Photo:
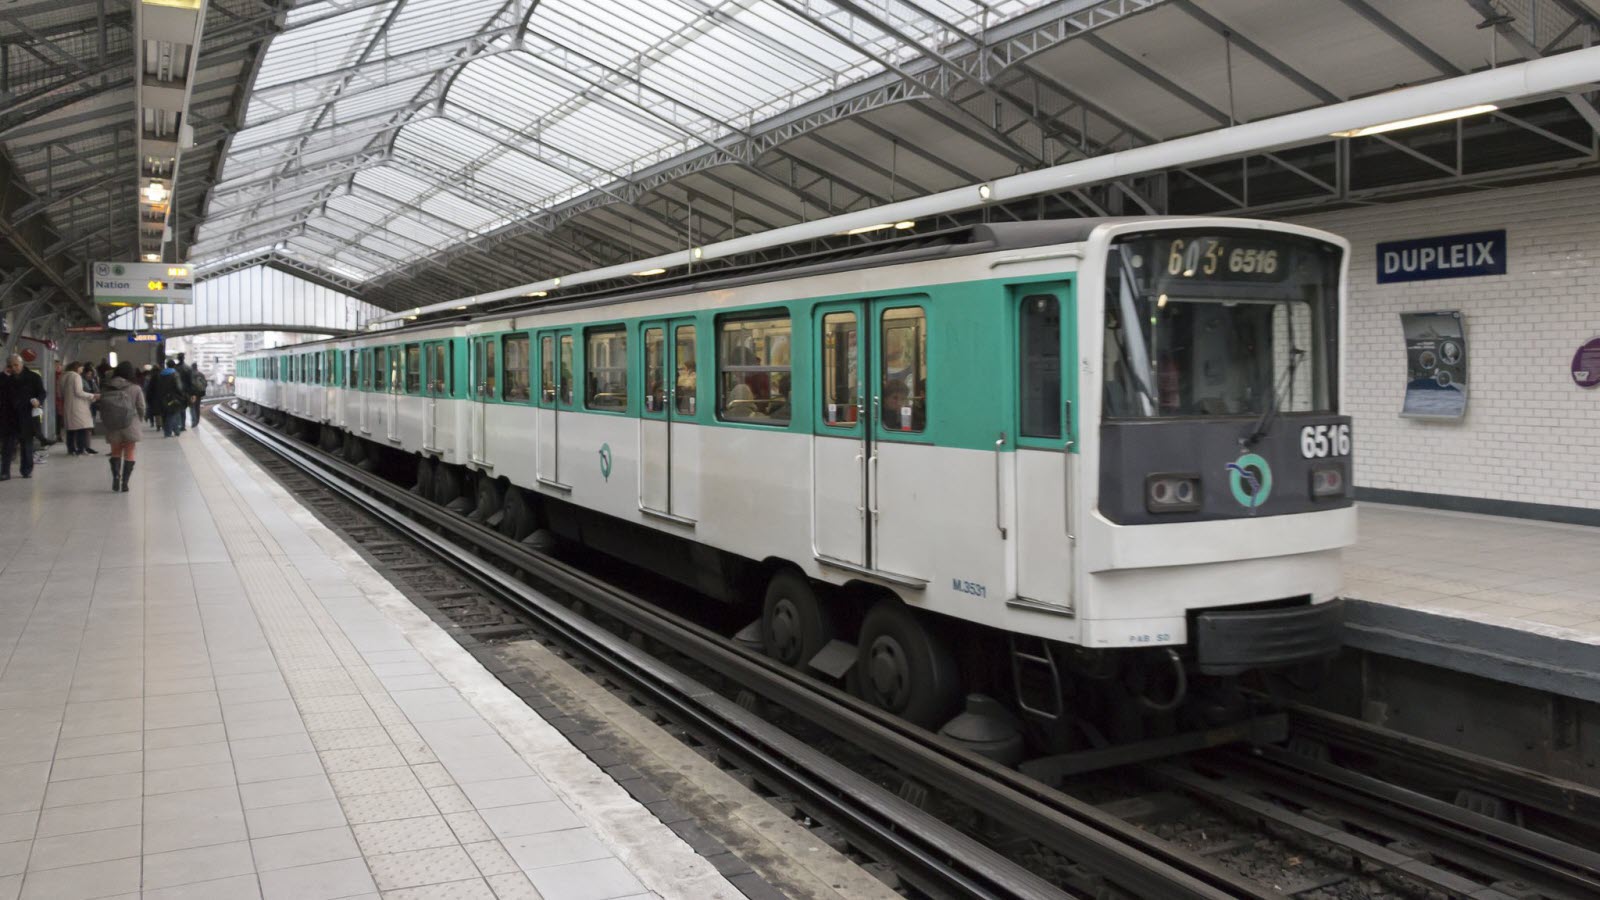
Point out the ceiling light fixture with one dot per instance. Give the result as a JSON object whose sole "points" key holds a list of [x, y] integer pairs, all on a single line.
{"points": [[155, 192], [152, 257], [902, 226], [537, 294], [1417, 120], [869, 228], [647, 272], [985, 192], [698, 252]]}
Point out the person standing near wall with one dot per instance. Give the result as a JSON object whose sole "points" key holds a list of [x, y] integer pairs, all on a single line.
{"points": [[21, 392], [79, 421], [91, 383]]}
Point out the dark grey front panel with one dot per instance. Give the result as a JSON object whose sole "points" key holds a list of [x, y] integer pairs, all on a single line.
{"points": [[1131, 451]]}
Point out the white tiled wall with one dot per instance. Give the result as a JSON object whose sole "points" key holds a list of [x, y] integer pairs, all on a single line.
{"points": [[1530, 434]]}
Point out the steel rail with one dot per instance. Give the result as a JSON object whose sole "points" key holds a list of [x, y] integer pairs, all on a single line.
{"points": [[1125, 855], [925, 851]]}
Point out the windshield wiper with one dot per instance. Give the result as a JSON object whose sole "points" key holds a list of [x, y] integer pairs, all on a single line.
{"points": [[1270, 414]]}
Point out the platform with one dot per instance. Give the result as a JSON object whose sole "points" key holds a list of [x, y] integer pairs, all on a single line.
{"points": [[1513, 600], [207, 694]]}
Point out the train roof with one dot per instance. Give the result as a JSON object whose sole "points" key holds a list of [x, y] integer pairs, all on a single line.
{"points": [[967, 240]]}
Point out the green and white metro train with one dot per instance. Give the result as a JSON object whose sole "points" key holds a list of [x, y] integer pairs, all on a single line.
{"points": [[1070, 463]]}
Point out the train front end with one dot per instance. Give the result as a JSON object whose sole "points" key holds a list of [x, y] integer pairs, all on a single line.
{"points": [[1219, 477]]}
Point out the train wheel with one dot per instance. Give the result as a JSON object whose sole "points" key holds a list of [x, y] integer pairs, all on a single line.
{"points": [[488, 498], [518, 519], [906, 667], [424, 485], [794, 623]]}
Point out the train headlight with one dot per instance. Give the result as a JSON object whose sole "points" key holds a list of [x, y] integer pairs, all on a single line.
{"points": [[1172, 493], [1327, 481]]}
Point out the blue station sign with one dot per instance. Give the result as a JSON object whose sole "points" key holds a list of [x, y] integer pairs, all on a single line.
{"points": [[144, 338], [1451, 256]]}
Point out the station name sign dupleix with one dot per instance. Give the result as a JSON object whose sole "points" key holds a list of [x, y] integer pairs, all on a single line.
{"points": [[1451, 256], [136, 283]]}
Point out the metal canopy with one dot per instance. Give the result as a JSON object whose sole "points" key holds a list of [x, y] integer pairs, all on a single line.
{"points": [[413, 150]]}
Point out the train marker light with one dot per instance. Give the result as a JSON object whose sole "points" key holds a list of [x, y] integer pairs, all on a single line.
{"points": [[1417, 120]]}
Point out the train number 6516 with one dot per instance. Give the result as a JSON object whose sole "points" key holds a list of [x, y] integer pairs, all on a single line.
{"points": [[1319, 441]]}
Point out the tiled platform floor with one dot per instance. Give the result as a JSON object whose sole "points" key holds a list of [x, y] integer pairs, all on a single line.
{"points": [[205, 694], [1536, 576]]}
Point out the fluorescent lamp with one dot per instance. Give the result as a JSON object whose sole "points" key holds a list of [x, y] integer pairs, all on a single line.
{"points": [[650, 272], [902, 226], [556, 282], [698, 252], [155, 192], [1161, 302], [411, 318], [152, 257], [460, 308], [537, 294], [1417, 120], [867, 228]]}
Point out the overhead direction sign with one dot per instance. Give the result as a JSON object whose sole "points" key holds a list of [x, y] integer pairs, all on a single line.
{"points": [[134, 283], [144, 338]]}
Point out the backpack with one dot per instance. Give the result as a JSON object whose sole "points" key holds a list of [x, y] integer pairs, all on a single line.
{"points": [[170, 389], [117, 408], [197, 383]]}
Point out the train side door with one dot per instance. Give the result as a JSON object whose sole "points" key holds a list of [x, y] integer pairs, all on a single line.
{"points": [[485, 383], [555, 398], [1046, 369], [397, 386], [365, 395], [665, 446], [902, 460], [433, 381], [840, 447]]}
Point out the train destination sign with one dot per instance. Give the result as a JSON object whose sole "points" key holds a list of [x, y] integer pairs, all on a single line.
{"points": [[1451, 256], [133, 283]]}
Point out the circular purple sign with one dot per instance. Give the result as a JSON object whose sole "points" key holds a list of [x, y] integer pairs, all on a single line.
{"points": [[1586, 364]]}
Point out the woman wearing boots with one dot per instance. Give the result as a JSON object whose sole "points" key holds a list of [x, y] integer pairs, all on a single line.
{"points": [[122, 408]]}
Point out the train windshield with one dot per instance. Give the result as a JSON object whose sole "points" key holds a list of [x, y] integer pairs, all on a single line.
{"points": [[1219, 323]]}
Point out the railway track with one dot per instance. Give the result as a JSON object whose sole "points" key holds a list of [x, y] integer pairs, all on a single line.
{"points": [[486, 595]]}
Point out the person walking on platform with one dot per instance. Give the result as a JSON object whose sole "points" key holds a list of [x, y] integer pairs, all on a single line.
{"points": [[91, 383], [121, 408], [170, 400], [149, 378], [188, 391], [21, 392], [79, 421], [197, 391]]}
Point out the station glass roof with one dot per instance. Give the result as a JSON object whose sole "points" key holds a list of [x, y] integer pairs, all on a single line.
{"points": [[377, 132]]}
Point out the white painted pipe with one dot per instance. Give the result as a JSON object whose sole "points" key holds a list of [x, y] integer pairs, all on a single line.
{"points": [[1571, 70]]}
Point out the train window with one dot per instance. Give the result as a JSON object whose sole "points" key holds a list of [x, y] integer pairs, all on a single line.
{"points": [[352, 369], [841, 380], [514, 356], [380, 368], [396, 370], [605, 362], [547, 370], [655, 370], [753, 370], [438, 375], [686, 384], [488, 360], [1039, 346], [904, 352], [317, 373], [565, 386], [413, 369]]}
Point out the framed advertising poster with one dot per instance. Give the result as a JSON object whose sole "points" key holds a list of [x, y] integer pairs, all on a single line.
{"points": [[1436, 365]]}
